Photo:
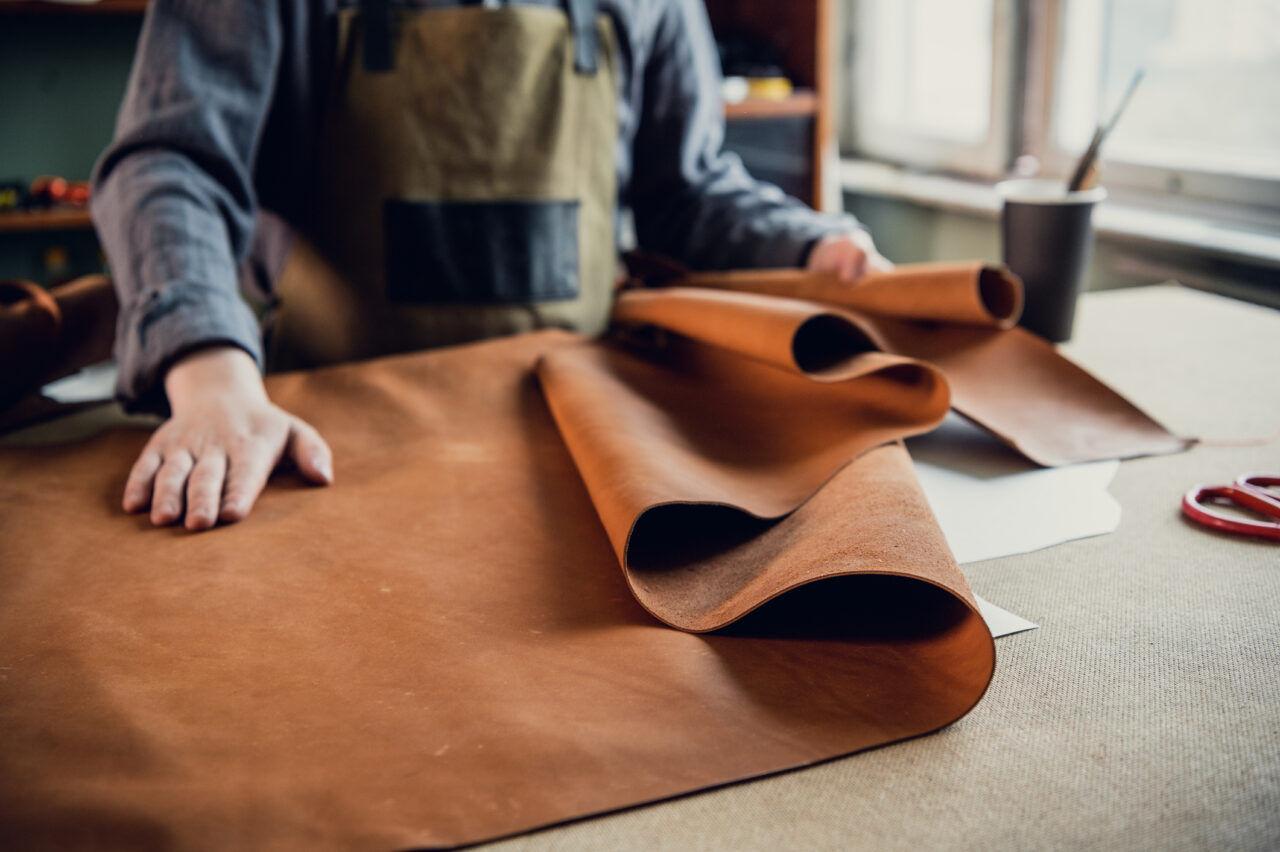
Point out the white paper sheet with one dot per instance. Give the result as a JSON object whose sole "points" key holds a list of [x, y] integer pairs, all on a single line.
{"points": [[1000, 621], [992, 502], [92, 384]]}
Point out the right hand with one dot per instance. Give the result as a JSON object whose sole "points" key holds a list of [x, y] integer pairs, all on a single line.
{"points": [[210, 460]]}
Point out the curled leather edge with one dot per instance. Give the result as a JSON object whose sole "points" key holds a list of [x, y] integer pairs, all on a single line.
{"points": [[734, 614], [766, 331], [824, 344], [958, 293]]}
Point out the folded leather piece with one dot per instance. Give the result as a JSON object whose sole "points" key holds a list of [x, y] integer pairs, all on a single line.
{"points": [[690, 452], [959, 317], [441, 648]]}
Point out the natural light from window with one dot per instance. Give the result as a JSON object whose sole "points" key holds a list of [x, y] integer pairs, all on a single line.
{"points": [[929, 64], [1210, 100]]}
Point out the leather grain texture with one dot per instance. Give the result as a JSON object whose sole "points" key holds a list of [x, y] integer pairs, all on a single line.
{"points": [[441, 648]]}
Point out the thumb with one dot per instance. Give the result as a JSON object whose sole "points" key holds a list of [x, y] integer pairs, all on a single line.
{"points": [[309, 452]]}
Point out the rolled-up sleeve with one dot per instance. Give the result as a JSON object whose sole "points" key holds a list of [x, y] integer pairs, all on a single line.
{"points": [[691, 200], [173, 198]]}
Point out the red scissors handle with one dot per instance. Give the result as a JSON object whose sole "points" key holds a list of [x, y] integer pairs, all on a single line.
{"points": [[1251, 492]]}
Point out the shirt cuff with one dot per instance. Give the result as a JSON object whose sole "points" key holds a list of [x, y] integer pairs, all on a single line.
{"points": [[165, 324]]}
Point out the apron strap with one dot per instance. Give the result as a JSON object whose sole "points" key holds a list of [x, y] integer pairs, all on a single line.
{"points": [[375, 18], [582, 21], [375, 21]]}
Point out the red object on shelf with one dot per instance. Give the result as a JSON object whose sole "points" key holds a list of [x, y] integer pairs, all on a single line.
{"points": [[77, 193], [47, 190]]}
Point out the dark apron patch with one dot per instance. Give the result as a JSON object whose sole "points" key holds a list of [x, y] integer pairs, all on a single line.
{"points": [[481, 252]]}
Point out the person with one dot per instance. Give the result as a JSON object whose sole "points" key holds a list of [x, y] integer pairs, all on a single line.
{"points": [[395, 179]]}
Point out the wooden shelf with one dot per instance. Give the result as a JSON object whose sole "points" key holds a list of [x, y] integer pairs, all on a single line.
{"points": [[56, 219], [102, 7], [799, 102]]}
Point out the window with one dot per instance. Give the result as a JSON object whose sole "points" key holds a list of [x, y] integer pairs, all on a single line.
{"points": [[968, 85], [1205, 121], [932, 81]]}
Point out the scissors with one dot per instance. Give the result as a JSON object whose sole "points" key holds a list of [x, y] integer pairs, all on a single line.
{"points": [[1250, 491]]}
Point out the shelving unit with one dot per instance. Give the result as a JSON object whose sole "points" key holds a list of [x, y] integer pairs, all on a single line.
{"points": [[56, 219], [102, 7], [800, 102], [769, 134]]}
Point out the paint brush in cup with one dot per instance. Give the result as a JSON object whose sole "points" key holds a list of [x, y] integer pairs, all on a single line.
{"points": [[1086, 173]]}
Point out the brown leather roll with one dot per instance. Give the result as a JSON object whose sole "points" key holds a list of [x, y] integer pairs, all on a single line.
{"points": [[955, 292], [798, 336], [958, 317]]}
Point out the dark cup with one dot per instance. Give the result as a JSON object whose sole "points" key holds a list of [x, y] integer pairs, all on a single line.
{"points": [[1046, 236]]}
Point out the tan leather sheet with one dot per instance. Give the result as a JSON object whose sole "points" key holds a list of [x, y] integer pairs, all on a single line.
{"points": [[442, 647], [960, 317]]}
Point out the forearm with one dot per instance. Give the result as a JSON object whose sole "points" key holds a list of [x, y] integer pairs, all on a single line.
{"points": [[173, 269], [173, 199], [724, 219], [212, 374]]}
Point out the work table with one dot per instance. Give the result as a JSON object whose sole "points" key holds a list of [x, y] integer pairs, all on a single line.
{"points": [[1145, 711]]}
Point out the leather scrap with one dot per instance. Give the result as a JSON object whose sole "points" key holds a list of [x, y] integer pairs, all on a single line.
{"points": [[46, 334]]}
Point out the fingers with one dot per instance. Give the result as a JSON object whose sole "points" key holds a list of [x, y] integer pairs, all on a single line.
{"points": [[211, 465], [309, 452], [167, 498], [853, 263], [204, 491], [840, 255], [137, 490], [249, 468]]}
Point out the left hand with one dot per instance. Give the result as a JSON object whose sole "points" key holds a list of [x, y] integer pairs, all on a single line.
{"points": [[848, 255]]}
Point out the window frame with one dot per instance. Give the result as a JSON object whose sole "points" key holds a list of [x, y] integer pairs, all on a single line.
{"points": [[1027, 49], [1185, 186], [988, 158]]}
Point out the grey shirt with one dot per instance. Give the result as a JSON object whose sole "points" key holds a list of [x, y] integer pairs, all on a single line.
{"points": [[219, 123]]}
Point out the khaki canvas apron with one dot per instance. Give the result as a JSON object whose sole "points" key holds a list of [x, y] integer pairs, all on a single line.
{"points": [[466, 190]]}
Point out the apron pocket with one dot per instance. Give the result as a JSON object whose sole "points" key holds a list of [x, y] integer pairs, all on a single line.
{"points": [[486, 252]]}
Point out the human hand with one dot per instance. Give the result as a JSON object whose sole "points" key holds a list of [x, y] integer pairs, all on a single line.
{"points": [[210, 460], [848, 255]]}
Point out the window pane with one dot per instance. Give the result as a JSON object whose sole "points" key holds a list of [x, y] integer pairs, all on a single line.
{"points": [[929, 67], [1211, 97]]}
